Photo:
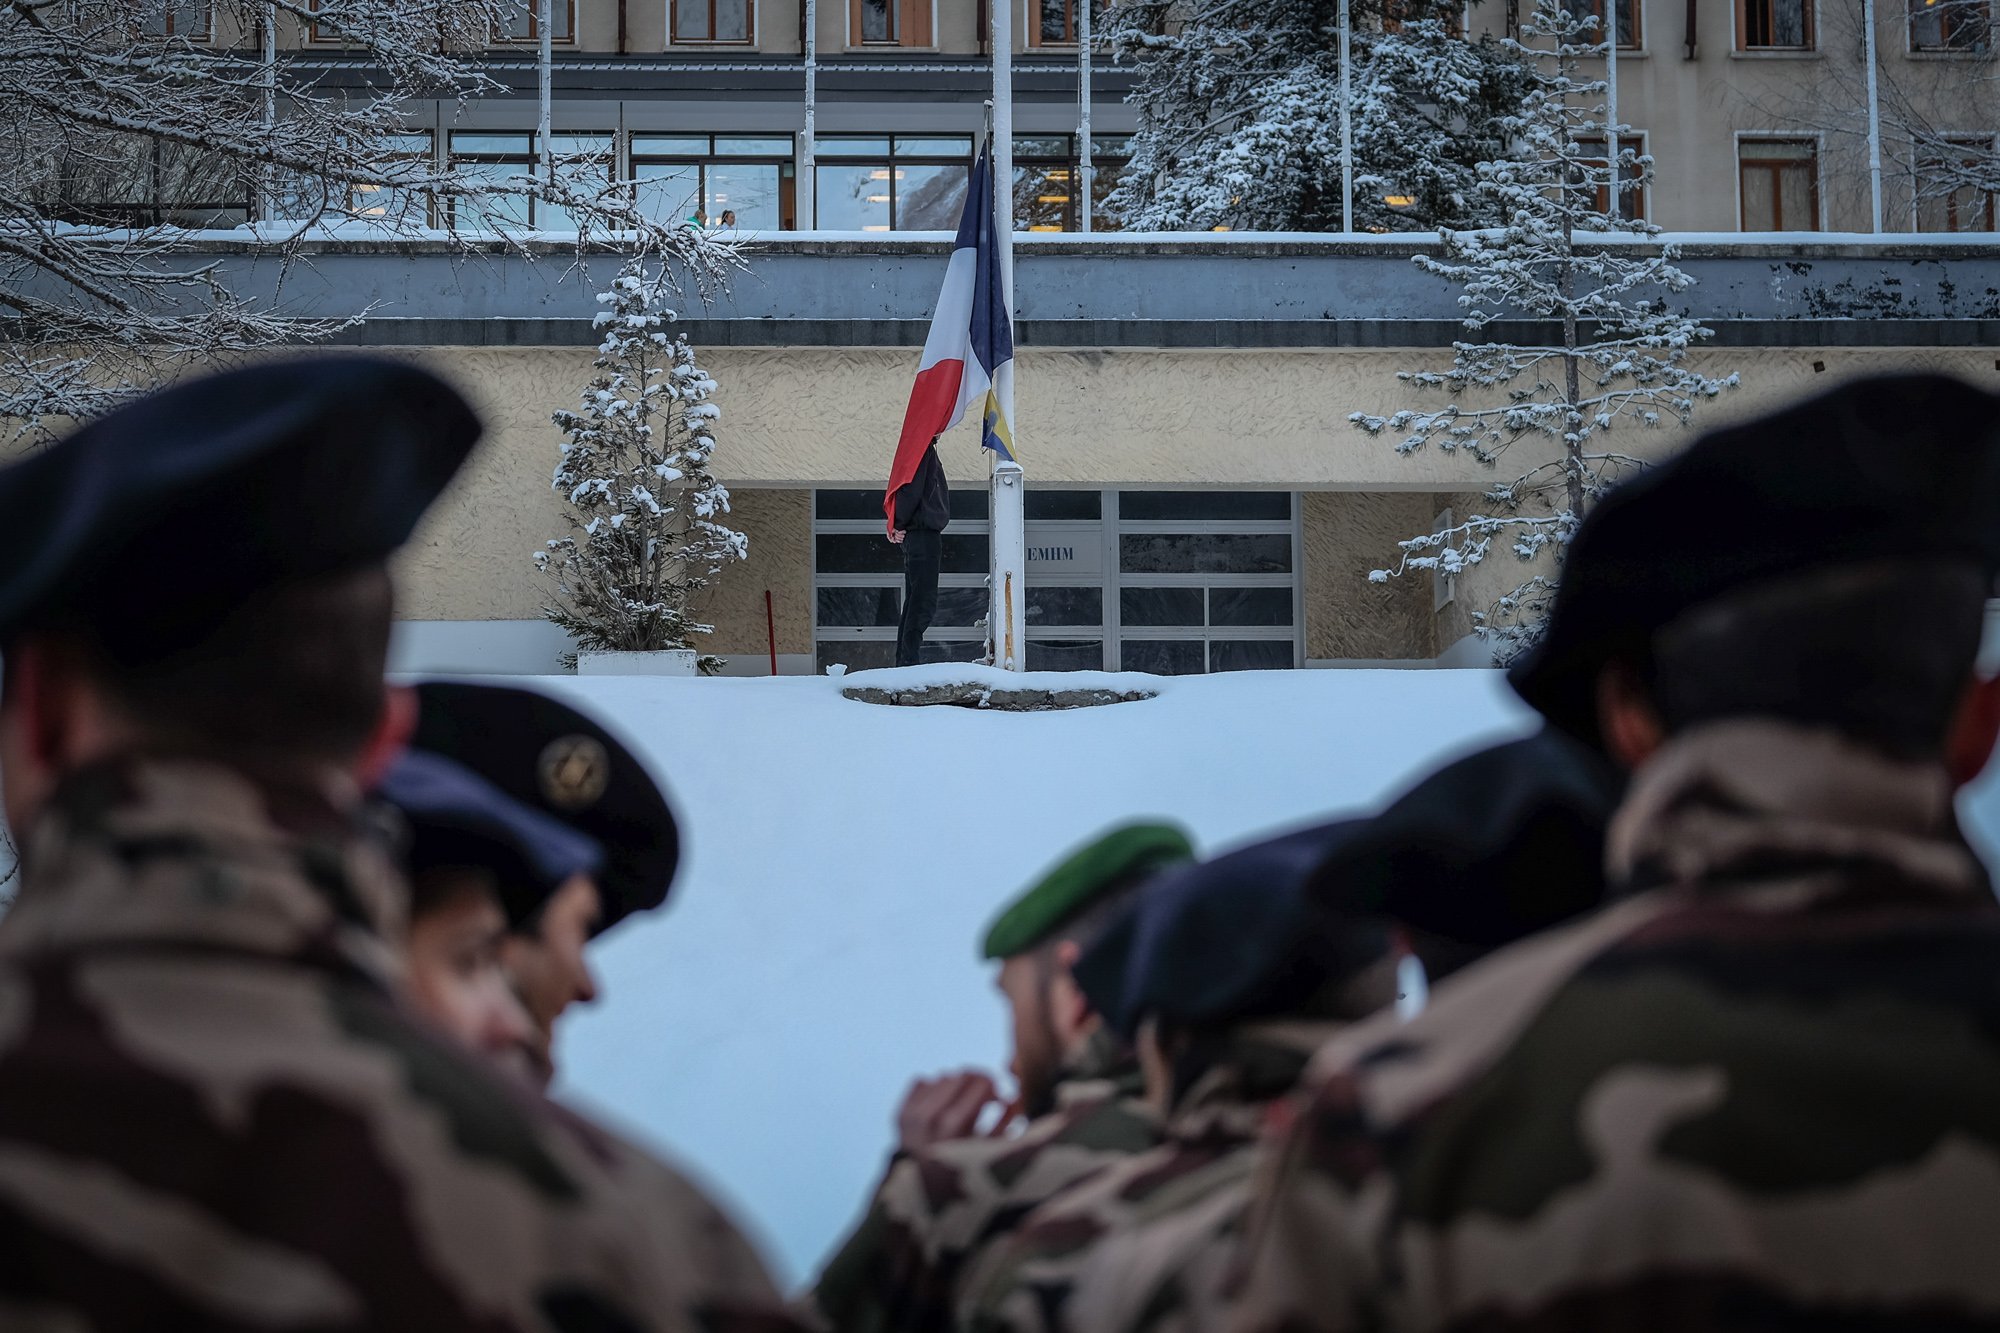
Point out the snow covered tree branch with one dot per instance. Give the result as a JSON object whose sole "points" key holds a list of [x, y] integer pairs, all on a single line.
{"points": [[1239, 114], [645, 512], [1619, 357], [131, 126]]}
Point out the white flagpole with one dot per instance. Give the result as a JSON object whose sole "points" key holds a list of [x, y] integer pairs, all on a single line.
{"points": [[1874, 120], [805, 197], [1611, 105], [1008, 617], [1346, 121], [545, 56], [1084, 170]]}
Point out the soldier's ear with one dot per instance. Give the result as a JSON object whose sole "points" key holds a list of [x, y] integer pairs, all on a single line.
{"points": [[1626, 718], [1974, 731], [393, 729]]}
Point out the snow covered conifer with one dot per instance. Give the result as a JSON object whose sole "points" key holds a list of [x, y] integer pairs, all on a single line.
{"points": [[645, 512], [1239, 114], [1618, 358]]}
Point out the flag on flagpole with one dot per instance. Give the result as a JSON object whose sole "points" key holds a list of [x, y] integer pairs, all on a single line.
{"points": [[969, 354]]}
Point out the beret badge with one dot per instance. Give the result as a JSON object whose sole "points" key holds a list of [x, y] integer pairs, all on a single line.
{"points": [[574, 771]]}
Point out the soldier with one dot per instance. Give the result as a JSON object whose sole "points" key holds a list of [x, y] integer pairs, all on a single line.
{"points": [[561, 762], [1761, 1089], [480, 865], [213, 1112], [949, 1192], [1232, 973]]}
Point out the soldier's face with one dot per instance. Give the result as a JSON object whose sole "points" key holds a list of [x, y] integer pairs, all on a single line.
{"points": [[454, 972], [548, 967], [1038, 1055]]}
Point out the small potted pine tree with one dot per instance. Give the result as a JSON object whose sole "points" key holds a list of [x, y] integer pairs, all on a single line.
{"points": [[644, 511]]}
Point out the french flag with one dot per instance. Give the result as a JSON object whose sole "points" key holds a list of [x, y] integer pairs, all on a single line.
{"points": [[969, 354]]}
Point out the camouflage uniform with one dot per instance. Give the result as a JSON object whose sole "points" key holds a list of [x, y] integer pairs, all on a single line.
{"points": [[1763, 1094], [939, 1209], [213, 1114], [1138, 1245]]}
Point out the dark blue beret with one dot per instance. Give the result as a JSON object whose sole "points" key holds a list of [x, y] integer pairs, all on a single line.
{"points": [[1892, 467], [455, 819], [548, 755], [1488, 849], [175, 507]]}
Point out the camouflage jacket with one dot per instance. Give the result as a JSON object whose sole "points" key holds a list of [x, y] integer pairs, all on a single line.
{"points": [[938, 1210], [1763, 1093], [1134, 1245], [214, 1114]]}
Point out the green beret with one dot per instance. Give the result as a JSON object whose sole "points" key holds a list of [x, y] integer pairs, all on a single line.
{"points": [[1110, 863]]}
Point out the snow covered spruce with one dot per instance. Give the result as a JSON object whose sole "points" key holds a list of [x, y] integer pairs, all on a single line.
{"points": [[1619, 354], [1239, 123], [134, 126], [645, 536]]}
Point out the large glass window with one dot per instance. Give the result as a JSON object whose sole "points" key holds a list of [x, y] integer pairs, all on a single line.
{"points": [[1055, 22], [521, 21], [718, 180], [891, 182], [1172, 582], [1774, 25], [1779, 183], [507, 157], [1951, 25], [393, 202], [713, 20], [1048, 172]]}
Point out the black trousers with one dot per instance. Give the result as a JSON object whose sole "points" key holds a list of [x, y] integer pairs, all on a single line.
{"points": [[923, 554]]}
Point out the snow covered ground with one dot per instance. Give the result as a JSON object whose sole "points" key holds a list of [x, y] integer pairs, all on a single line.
{"points": [[820, 947]]}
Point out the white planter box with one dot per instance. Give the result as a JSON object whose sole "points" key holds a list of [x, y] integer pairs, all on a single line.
{"points": [[664, 662]]}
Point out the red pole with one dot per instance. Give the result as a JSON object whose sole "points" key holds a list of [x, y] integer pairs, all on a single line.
{"points": [[771, 625]]}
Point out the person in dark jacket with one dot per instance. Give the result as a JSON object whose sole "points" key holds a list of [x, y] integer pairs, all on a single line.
{"points": [[923, 508]]}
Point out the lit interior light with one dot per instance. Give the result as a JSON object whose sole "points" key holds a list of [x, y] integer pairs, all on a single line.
{"points": [[1045, 226], [1398, 200], [875, 228], [879, 175], [878, 198], [1051, 198], [1220, 227], [1058, 175]]}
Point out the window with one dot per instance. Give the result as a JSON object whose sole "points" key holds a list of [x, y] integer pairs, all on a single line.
{"points": [[1055, 22], [1171, 582], [1774, 25], [391, 202], [521, 21], [1631, 199], [1047, 172], [479, 155], [1955, 197], [886, 182], [1628, 19], [1951, 25], [889, 23], [190, 19], [713, 21], [716, 180], [1778, 181]]}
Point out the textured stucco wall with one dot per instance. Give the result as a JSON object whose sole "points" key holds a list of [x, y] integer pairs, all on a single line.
{"points": [[1348, 533], [779, 526]]}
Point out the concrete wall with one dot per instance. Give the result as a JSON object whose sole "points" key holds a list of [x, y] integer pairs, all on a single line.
{"points": [[779, 526]]}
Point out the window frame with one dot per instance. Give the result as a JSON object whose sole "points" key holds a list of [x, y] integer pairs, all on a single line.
{"points": [[534, 15], [637, 156], [1809, 14], [917, 23], [1818, 197], [825, 157], [1601, 194], [750, 16], [431, 204], [1971, 143], [1071, 160], [1596, 8], [1947, 19], [204, 10]]}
